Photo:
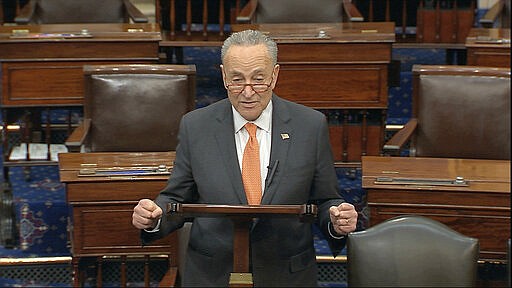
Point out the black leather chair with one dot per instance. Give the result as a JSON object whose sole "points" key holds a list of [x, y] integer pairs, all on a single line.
{"points": [[133, 108], [458, 112], [78, 11], [298, 11], [408, 251]]}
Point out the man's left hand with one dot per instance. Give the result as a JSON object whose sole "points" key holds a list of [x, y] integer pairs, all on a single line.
{"points": [[343, 218]]}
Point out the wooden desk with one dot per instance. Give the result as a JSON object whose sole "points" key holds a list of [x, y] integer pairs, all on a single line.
{"points": [[488, 47], [102, 206], [480, 209], [346, 68], [48, 71], [40, 69]]}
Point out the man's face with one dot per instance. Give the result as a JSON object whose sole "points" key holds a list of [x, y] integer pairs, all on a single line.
{"points": [[249, 65]]}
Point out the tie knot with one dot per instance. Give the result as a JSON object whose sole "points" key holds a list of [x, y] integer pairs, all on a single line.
{"points": [[251, 128]]}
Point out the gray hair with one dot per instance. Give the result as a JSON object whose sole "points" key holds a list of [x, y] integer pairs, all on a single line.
{"points": [[250, 38]]}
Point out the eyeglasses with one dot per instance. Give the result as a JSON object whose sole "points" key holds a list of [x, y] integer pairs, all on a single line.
{"points": [[257, 87]]}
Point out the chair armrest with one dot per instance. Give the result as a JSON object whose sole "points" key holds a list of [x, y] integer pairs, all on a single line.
{"points": [[169, 279], [26, 13], [246, 14], [135, 14], [352, 12], [491, 16], [394, 145], [78, 136]]}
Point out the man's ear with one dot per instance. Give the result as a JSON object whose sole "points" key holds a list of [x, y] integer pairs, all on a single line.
{"points": [[223, 74], [275, 73]]}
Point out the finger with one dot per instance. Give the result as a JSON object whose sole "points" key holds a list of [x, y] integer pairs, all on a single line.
{"points": [[344, 221], [147, 204], [138, 221], [346, 206], [334, 211], [345, 226], [141, 211], [157, 213], [142, 222]]}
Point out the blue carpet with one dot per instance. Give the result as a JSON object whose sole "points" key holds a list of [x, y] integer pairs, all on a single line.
{"points": [[400, 100], [411, 56], [41, 210], [210, 87]]}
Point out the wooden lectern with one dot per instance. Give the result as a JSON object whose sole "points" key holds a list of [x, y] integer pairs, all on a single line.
{"points": [[242, 217]]}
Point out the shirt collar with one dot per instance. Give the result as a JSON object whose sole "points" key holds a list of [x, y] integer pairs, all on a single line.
{"points": [[263, 122]]}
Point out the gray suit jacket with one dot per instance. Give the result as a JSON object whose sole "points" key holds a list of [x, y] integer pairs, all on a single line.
{"points": [[206, 170]]}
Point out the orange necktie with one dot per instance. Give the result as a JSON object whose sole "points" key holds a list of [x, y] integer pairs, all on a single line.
{"points": [[251, 175]]}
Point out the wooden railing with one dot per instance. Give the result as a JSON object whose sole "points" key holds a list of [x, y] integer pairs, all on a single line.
{"points": [[423, 21], [182, 29]]}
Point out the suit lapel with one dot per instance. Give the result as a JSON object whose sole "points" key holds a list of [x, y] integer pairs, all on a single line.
{"points": [[227, 149], [281, 140]]}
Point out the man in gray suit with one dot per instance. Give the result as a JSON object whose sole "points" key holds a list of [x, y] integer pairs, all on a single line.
{"points": [[294, 146]]}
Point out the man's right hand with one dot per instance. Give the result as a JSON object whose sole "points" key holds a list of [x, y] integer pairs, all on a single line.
{"points": [[146, 214]]}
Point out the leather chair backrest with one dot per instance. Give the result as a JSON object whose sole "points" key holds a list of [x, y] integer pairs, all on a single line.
{"points": [[299, 11], [408, 251], [136, 108], [79, 11], [462, 112]]}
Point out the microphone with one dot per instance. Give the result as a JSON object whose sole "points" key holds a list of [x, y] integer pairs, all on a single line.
{"points": [[271, 171]]}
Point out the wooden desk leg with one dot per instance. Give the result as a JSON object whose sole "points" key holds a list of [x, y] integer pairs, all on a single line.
{"points": [[76, 271], [99, 271], [146, 270], [123, 271], [241, 276]]}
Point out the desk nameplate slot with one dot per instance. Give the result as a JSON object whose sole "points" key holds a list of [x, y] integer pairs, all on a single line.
{"points": [[458, 181], [124, 171]]}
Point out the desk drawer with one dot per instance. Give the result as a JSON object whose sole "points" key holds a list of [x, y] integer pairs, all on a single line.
{"points": [[78, 193], [107, 229], [341, 52], [45, 83], [334, 85]]}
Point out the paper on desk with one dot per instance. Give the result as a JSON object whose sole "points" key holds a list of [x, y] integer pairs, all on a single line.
{"points": [[38, 151]]}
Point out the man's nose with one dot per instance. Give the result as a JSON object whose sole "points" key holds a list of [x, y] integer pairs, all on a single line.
{"points": [[248, 90]]}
